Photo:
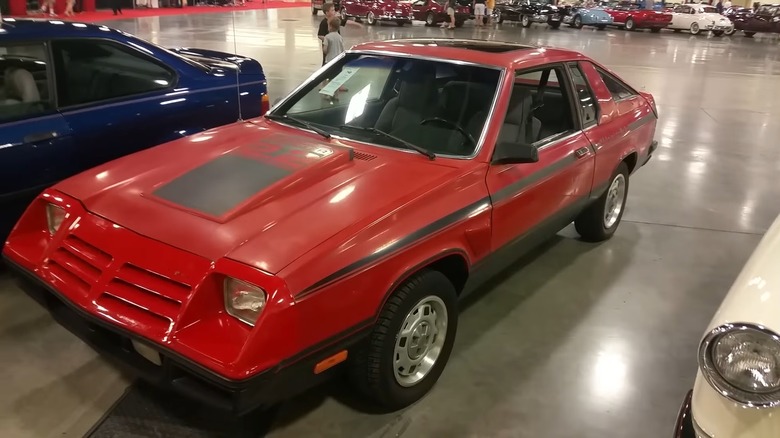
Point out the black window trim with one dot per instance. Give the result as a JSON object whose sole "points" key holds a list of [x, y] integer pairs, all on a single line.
{"points": [[634, 92], [573, 110], [50, 81], [578, 65], [131, 97]]}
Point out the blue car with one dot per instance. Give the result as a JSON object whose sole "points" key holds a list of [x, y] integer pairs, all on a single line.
{"points": [[578, 16], [76, 95]]}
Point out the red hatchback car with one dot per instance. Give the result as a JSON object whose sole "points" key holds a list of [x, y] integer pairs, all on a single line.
{"points": [[244, 264], [632, 16]]}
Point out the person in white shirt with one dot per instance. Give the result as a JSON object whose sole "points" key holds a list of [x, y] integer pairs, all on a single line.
{"points": [[727, 4]]}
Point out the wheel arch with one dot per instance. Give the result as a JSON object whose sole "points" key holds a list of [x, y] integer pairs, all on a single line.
{"points": [[453, 263], [631, 161]]}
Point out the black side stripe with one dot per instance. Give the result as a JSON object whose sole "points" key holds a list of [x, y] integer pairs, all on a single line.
{"points": [[520, 185], [438, 225], [636, 124], [427, 230]]}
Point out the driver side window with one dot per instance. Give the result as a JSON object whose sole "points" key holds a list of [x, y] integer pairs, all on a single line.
{"points": [[539, 109]]}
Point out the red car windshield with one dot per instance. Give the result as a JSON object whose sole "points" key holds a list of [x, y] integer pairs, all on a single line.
{"points": [[400, 102]]}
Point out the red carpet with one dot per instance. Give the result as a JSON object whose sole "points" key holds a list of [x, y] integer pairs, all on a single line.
{"points": [[105, 15]]}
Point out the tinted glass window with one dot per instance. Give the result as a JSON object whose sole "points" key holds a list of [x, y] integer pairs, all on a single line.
{"points": [[587, 102], [618, 90], [533, 116], [438, 105], [92, 71], [24, 82]]}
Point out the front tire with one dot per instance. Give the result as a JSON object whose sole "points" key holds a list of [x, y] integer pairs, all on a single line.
{"points": [[525, 21], [695, 29], [600, 220], [730, 31], [578, 22], [429, 20], [630, 25], [410, 344]]}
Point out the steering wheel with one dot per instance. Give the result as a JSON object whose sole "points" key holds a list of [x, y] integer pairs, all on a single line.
{"points": [[451, 124]]}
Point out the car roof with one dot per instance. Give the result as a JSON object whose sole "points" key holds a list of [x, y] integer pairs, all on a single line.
{"points": [[491, 53], [49, 28]]}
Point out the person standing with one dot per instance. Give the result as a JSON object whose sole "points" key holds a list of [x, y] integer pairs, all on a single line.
{"points": [[330, 12], [479, 12], [449, 8], [332, 44], [489, 5]]}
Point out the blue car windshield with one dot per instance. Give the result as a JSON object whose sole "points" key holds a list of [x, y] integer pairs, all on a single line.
{"points": [[397, 101]]}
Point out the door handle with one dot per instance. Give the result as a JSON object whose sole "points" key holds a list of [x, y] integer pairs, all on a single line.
{"points": [[40, 136], [581, 152]]}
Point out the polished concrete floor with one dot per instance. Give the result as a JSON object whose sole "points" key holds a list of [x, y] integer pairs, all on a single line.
{"points": [[581, 340]]}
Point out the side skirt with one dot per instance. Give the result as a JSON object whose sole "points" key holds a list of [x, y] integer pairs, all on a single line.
{"points": [[509, 254]]}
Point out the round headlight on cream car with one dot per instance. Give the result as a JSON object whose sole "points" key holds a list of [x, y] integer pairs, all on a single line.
{"points": [[742, 362]]}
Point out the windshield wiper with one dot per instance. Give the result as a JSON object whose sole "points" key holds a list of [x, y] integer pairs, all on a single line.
{"points": [[300, 122], [409, 145]]}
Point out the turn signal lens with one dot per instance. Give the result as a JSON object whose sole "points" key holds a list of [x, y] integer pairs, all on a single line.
{"points": [[243, 300], [54, 217], [265, 104]]}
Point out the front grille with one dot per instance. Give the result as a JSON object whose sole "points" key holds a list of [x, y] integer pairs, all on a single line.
{"points": [[145, 298], [78, 264]]}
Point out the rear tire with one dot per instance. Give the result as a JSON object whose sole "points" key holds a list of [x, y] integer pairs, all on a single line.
{"points": [[525, 21], [577, 22], [630, 25], [429, 20], [749, 34], [405, 353], [600, 220]]}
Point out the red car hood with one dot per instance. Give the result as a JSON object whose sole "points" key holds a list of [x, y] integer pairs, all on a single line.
{"points": [[259, 193]]}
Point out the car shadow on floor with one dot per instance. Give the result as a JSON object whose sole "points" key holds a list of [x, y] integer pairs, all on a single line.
{"points": [[148, 411]]}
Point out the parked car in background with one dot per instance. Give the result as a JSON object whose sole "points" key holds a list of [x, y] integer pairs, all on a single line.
{"points": [[765, 19], [578, 16], [736, 393], [250, 262], [507, 10], [632, 16], [76, 95], [432, 12], [373, 11], [698, 17], [736, 13], [538, 12]]}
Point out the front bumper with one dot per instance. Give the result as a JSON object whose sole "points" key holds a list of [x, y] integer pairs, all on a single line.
{"points": [[395, 17], [685, 426], [177, 373]]}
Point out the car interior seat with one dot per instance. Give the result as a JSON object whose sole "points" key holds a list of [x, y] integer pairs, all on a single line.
{"points": [[20, 85], [519, 124], [416, 99]]}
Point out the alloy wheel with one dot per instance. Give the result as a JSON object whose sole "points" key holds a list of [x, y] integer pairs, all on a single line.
{"points": [[614, 205], [420, 340]]}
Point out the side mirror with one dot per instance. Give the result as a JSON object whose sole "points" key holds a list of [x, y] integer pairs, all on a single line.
{"points": [[508, 152]]}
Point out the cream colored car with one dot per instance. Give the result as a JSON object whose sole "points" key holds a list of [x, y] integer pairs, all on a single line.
{"points": [[737, 389], [700, 17]]}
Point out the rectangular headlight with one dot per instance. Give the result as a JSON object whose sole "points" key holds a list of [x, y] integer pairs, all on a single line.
{"points": [[243, 300], [54, 217]]}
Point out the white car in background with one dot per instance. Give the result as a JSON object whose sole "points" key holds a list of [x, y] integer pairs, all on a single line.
{"points": [[737, 389], [698, 17]]}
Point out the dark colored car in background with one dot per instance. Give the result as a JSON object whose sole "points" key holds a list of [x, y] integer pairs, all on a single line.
{"points": [[633, 16], [735, 13], [765, 19], [530, 12], [507, 10], [432, 12], [75, 95]]}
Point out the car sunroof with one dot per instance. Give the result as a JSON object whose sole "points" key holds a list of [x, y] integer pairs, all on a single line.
{"points": [[479, 45]]}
